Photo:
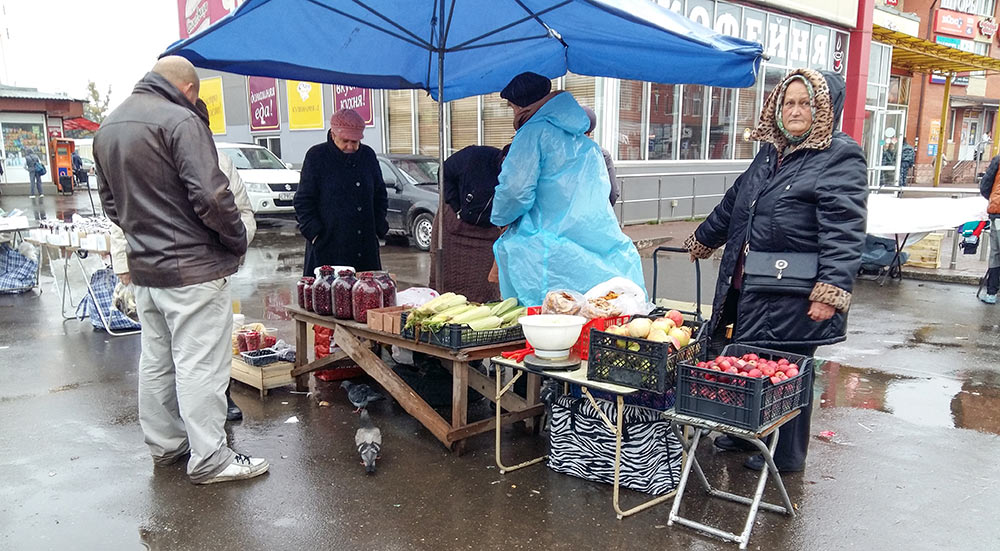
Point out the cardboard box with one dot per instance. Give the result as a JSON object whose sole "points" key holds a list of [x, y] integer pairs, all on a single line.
{"points": [[387, 319]]}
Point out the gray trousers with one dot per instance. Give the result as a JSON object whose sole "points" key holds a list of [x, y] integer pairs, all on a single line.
{"points": [[35, 181], [184, 370], [993, 274]]}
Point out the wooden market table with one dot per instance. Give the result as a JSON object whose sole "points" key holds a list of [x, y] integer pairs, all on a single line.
{"points": [[353, 339]]}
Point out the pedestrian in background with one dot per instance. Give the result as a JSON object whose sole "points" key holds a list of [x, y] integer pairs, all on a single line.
{"points": [[31, 164], [341, 202], [805, 192], [615, 191], [119, 257], [989, 189], [466, 257], [159, 181], [908, 156]]}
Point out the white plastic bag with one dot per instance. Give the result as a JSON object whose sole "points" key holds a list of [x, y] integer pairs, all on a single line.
{"points": [[402, 356], [622, 293], [563, 301], [415, 296]]}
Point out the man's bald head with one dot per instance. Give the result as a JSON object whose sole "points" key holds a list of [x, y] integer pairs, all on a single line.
{"points": [[180, 72]]}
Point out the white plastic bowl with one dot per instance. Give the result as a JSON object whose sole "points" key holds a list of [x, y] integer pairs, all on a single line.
{"points": [[552, 335]]}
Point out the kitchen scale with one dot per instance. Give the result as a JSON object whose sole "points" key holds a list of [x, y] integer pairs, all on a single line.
{"points": [[566, 363]]}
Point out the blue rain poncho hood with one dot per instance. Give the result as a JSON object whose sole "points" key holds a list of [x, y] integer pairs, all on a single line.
{"points": [[553, 194]]}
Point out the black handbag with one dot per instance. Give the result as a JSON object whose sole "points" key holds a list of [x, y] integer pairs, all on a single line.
{"points": [[780, 273], [783, 273]]}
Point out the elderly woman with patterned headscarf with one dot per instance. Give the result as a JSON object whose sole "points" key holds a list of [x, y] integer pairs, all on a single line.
{"points": [[793, 226]]}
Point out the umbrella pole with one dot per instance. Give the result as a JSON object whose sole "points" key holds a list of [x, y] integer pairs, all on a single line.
{"points": [[438, 266]]}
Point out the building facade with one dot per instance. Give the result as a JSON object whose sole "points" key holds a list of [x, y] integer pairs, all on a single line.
{"points": [[677, 147], [28, 120], [971, 26]]}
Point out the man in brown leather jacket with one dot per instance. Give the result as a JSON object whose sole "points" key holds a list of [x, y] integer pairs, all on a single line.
{"points": [[160, 183]]}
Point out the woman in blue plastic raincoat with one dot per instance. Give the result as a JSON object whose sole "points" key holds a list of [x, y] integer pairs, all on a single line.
{"points": [[553, 195]]}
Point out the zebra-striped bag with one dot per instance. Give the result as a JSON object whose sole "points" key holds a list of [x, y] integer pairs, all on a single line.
{"points": [[581, 444]]}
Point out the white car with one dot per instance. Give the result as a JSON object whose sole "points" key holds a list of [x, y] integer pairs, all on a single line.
{"points": [[270, 183]]}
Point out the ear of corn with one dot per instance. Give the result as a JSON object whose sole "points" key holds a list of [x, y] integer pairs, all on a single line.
{"points": [[474, 314], [502, 308], [483, 324], [510, 318]]}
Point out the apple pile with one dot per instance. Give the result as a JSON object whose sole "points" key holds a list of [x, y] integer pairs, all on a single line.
{"points": [[753, 366], [669, 329]]}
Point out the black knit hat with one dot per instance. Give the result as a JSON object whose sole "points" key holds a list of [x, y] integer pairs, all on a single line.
{"points": [[526, 88]]}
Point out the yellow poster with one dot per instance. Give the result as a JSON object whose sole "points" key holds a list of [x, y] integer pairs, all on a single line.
{"points": [[211, 93], [305, 105], [935, 136]]}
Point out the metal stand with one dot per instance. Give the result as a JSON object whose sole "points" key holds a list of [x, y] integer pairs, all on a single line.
{"points": [[895, 270], [615, 428], [756, 503]]}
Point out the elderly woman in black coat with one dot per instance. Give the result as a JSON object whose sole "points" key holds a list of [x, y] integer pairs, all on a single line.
{"points": [[805, 192], [341, 201]]}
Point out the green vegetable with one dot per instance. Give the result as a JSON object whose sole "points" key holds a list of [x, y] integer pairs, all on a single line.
{"points": [[476, 313], [483, 324], [510, 318], [503, 307]]}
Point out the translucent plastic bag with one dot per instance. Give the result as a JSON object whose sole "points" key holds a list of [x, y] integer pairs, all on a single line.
{"points": [[563, 301]]}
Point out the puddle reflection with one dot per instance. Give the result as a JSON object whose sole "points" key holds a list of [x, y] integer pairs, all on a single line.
{"points": [[970, 402]]}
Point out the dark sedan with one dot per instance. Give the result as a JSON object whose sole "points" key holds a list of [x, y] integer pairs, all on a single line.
{"points": [[411, 181]]}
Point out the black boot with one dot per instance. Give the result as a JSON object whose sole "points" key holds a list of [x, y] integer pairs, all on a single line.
{"points": [[233, 411]]}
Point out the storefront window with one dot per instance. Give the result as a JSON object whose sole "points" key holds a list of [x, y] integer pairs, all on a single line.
{"points": [[630, 115], [427, 125], [692, 121], [464, 123], [720, 124], [498, 121], [662, 121], [772, 77], [748, 105], [400, 121], [18, 139]]}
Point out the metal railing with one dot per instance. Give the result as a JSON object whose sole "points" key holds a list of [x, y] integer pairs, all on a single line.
{"points": [[623, 181]]}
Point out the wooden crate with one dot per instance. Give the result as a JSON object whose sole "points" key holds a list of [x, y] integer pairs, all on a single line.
{"points": [[263, 378], [926, 253]]}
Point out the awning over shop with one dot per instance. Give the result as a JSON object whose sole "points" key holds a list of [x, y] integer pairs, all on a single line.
{"points": [[923, 56], [80, 123], [911, 53]]}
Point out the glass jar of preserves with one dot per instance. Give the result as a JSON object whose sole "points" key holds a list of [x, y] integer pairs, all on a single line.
{"points": [[304, 285], [365, 295], [342, 300], [307, 293], [388, 288], [322, 291]]}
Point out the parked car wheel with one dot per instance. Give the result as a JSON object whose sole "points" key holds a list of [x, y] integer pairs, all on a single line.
{"points": [[421, 230]]}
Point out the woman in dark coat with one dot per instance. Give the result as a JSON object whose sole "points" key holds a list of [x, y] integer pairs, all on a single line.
{"points": [[810, 187], [470, 177], [341, 201]]}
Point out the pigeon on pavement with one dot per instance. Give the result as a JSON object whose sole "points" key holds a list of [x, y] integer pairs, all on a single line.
{"points": [[368, 439], [360, 394]]}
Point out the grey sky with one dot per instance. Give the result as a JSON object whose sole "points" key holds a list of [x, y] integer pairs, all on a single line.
{"points": [[58, 45]]}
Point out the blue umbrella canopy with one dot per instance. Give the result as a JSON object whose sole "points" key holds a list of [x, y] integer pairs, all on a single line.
{"points": [[477, 46]]}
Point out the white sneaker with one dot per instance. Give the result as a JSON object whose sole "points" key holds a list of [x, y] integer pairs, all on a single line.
{"points": [[31, 197], [42, 195], [242, 468]]}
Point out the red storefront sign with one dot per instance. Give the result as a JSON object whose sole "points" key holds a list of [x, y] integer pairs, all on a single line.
{"points": [[954, 23], [988, 27], [262, 93], [196, 15], [352, 97]]}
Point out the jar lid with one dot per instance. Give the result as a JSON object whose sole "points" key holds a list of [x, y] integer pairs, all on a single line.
{"points": [[308, 279], [346, 272]]}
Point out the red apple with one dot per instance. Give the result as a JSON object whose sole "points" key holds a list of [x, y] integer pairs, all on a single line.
{"points": [[755, 373], [768, 371], [775, 380], [792, 372]]}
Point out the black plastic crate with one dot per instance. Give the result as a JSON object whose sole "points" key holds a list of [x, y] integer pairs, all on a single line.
{"points": [[456, 336], [742, 401], [640, 363], [261, 357]]}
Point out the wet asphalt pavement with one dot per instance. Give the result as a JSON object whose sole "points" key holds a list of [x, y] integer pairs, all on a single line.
{"points": [[913, 397]]}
